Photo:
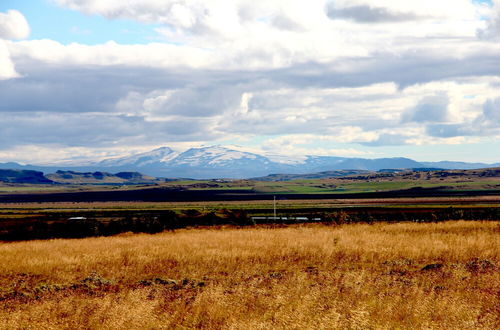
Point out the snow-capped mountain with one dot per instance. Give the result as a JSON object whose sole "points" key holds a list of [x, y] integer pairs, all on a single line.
{"points": [[217, 156], [223, 162], [163, 154]]}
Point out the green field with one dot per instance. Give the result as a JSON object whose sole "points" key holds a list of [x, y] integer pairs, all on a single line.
{"points": [[336, 187]]}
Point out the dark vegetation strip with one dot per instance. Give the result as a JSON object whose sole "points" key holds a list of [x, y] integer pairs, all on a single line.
{"points": [[106, 223], [179, 195]]}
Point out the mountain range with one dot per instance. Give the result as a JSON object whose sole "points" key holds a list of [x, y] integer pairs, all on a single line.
{"points": [[221, 162]]}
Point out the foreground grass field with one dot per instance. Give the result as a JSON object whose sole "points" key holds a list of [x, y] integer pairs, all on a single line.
{"points": [[405, 275]]}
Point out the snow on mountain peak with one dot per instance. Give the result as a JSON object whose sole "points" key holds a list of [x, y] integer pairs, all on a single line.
{"points": [[215, 155], [141, 159]]}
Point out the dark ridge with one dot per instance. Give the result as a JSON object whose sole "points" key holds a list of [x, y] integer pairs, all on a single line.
{"points": [[23, 176], [181, 195]]}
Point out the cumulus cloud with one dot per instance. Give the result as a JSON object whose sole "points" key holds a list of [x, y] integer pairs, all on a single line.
{"points": [[13, 25], [492, 29], [491, 112], [430, 109], [7, 69], [83, 130], [485, 124], [143, 104], [200, 101]]}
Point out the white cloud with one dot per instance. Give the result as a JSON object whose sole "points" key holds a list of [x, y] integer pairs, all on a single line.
{"points": [[111, 53], [301, 145], [13, 25], [7, 69], [492, 29], [249, 34]]}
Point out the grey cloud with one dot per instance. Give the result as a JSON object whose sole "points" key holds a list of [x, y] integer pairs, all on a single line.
{"points": [[491, 112], [201, 101], [71, 129], [77, 106], [387, 140], [486, 124], [404, 70], [368, 14], [73, 89], [285, 23], [450, 130], [96, 130], [431, 109], [492, 29]]}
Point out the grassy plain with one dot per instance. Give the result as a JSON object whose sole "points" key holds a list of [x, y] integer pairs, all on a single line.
{"points": [[373, 182], [339, 186], [384, 276]]}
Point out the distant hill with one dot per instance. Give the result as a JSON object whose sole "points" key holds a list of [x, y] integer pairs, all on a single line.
{"points": [[221, 162], [23, 176], [72, 177], [310, 176], [460, 165], [427, 173]]}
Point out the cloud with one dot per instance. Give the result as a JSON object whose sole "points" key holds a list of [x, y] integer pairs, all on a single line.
{"points": [[431, 109], [491, 112], [98, 130], [247, 69], [388, 139], [491, 31], [199, 101], [302, 144], [7, 69], [364, 10], [110, 54], [206, 105], [368, 14], [450, 130], [13, 25], [485, 124]]}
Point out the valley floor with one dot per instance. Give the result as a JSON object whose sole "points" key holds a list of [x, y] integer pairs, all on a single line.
{"points": [[359, 276]]}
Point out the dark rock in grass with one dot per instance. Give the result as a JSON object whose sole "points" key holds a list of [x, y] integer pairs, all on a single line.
{"points": [[93, 282], [158, 280], [432, 267], [164, 281], [480, 266]]}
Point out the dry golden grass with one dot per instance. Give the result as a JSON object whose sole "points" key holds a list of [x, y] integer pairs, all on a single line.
{"points": [[302, 276]]}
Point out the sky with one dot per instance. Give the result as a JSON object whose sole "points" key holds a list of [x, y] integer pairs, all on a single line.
{"points": [[91, 79]]}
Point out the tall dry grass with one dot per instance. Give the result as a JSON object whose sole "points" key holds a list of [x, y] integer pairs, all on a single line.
{"points": [[303, 276]]}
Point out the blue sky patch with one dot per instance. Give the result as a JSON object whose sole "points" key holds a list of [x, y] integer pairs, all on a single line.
{"points": [[49, 21]]}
